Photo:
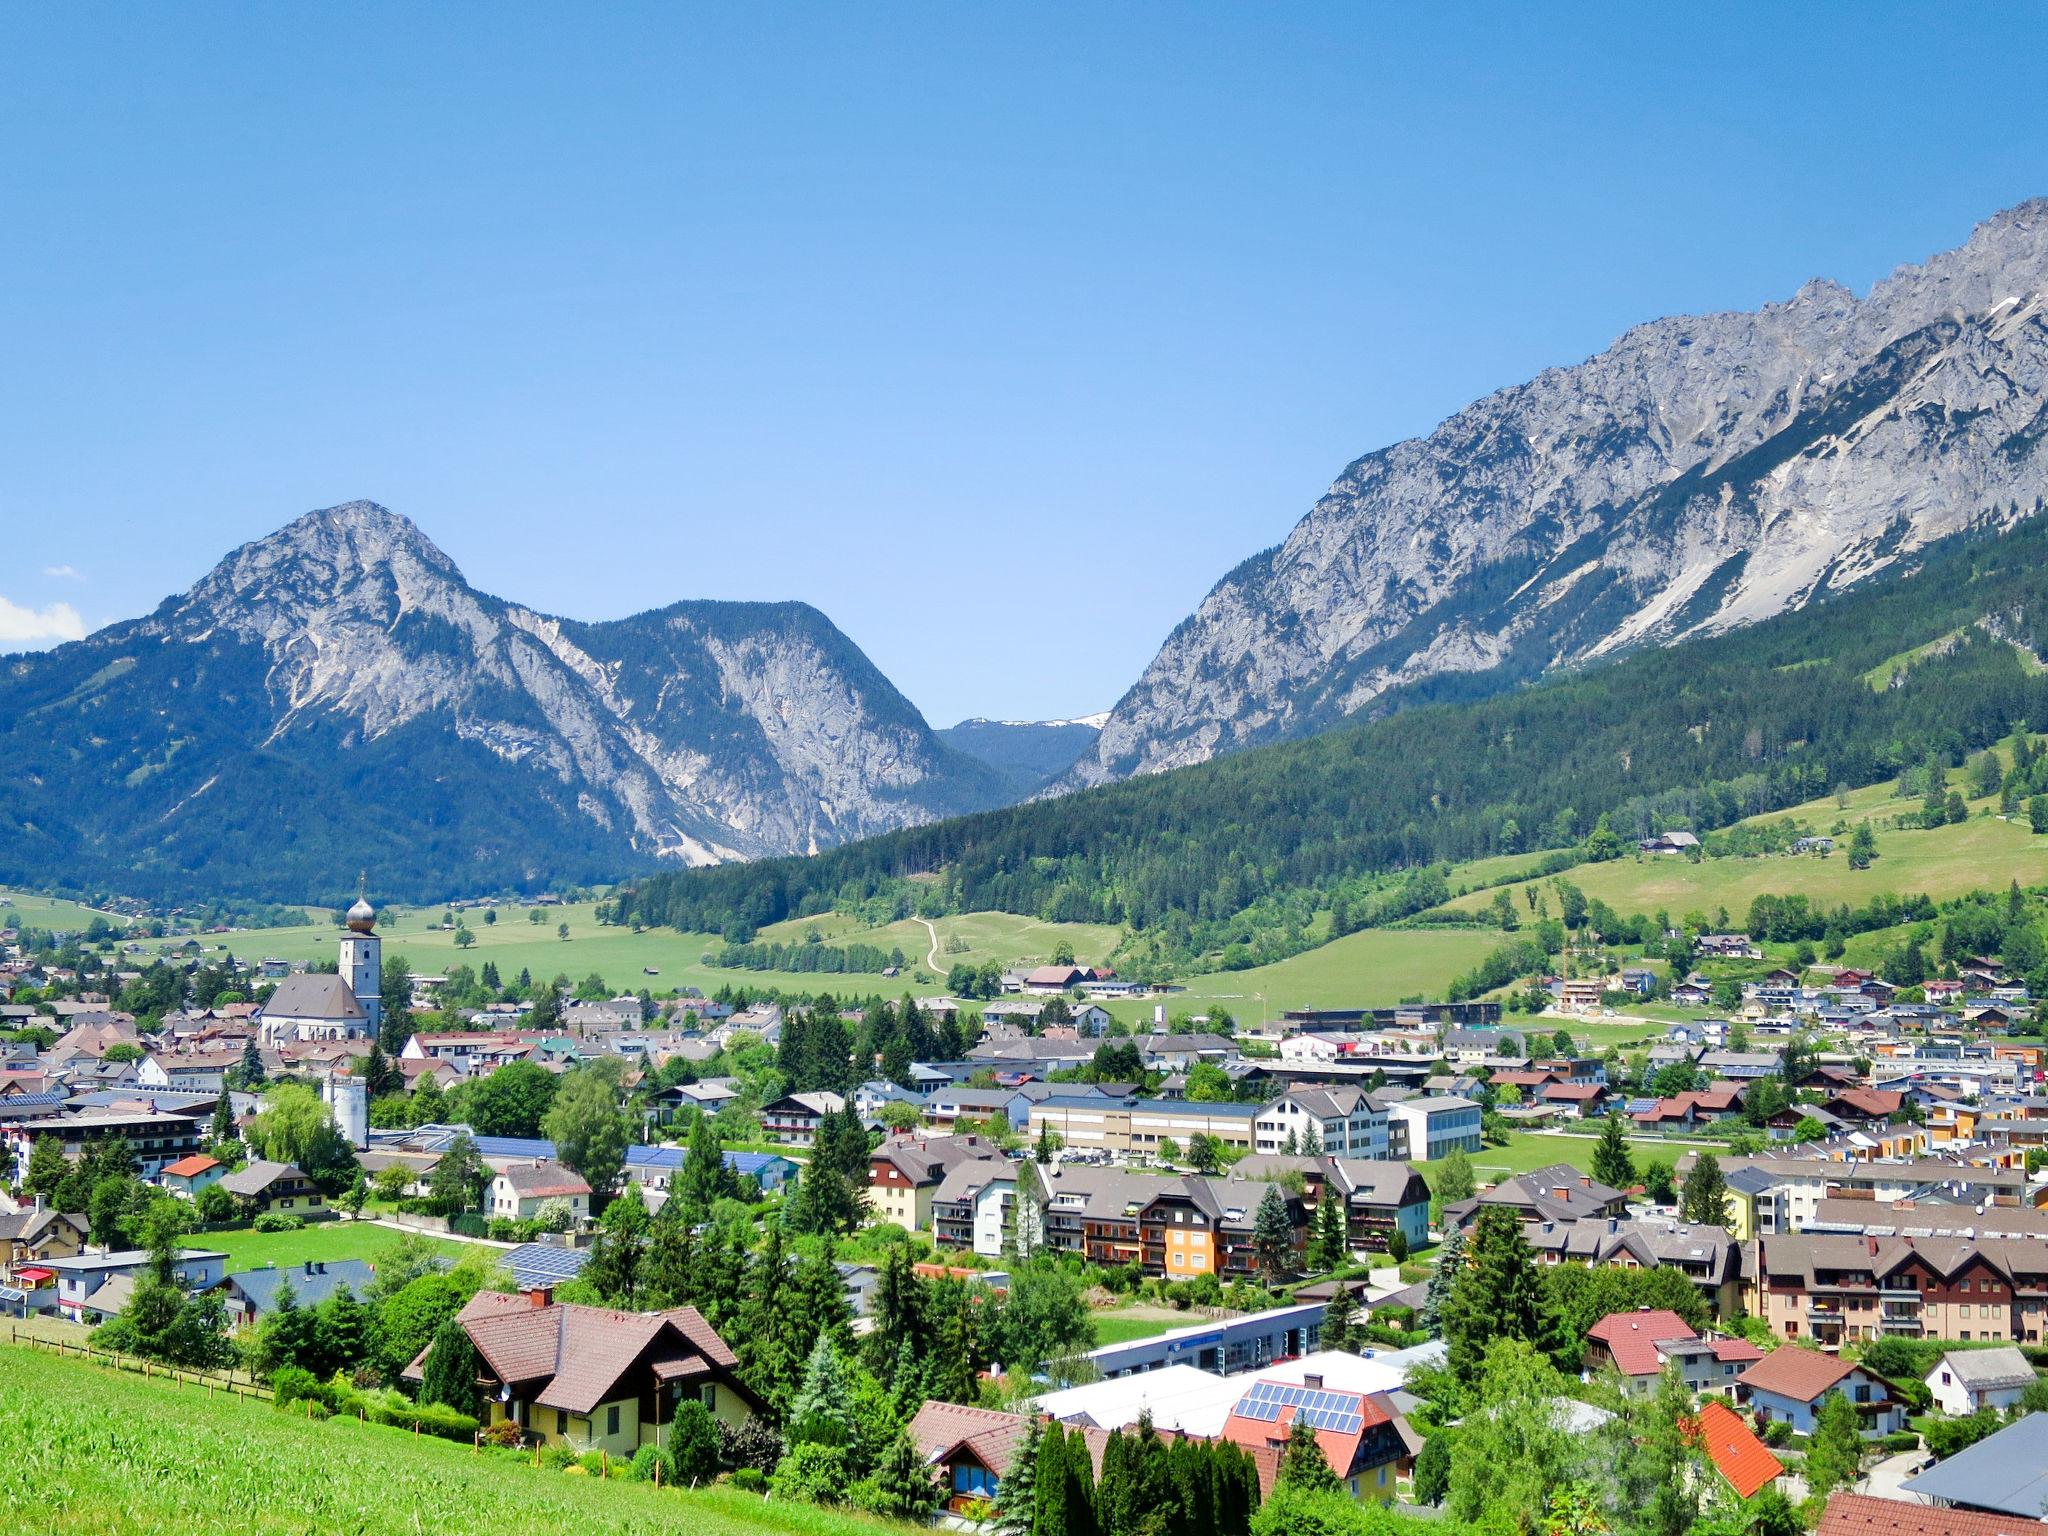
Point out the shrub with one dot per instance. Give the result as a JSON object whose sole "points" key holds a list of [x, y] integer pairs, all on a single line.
{"points": [[277, 1221], [505, 1433], [595, 1463], [751, 1445], [811, 1474], [1901, 1440], [214, 1204], [694, 1445], [641, 1468], [1777, 1432], [317, 1410], [557, 1458], [291, 1384], [750, 1480], [427, 1418]]}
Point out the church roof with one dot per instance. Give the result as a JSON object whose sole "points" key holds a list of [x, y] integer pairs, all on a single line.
{"points": [[321, 996]]}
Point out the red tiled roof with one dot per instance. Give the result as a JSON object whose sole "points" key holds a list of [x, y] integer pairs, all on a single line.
{"points": [[1803, 1375], [1858, 1514], [1745, 1461], [1340, 1450], [1632, 1338], [1736, 1349], [190, 1166]]}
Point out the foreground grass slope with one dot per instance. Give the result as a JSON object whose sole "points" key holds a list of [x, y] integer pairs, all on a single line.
{"points": [[83, 1448]]}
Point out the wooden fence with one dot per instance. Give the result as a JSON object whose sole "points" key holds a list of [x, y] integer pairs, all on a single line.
{"points": [[212, 1381]]}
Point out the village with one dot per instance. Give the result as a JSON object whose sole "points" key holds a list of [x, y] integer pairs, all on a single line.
{"points": [[680, 1236]]}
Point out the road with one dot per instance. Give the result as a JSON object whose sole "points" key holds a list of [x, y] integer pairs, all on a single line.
{"points": [[932, 959]]}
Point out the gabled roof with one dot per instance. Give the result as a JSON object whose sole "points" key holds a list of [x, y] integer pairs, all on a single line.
{"points": [[544, 1181], [1745, 1461], [191, 1166], [1802, 1375], [1987, 1370], [1632, 1338], [1858, 1514], [573, 1357], [322, 995], [941, 1430], [258, 1176], [311, 1283]]}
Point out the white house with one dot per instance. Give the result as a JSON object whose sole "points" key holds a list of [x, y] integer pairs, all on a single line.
{"points": [[1964, 1380], [518, 1192]]}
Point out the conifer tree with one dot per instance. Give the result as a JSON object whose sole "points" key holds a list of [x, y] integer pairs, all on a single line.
{"points": [[1016, 1512], [1336, 1333], [448, 1374], [1272, 1232], [1612, 1164], [1303, 1464], [1705, 1198], [1497, 1294], [1450, 1259]]}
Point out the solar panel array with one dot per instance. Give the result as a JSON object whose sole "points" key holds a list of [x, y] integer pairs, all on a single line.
{"points": [[532, 1264], [1339, 1412]]}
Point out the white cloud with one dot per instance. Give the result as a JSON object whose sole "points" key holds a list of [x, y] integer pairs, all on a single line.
{"points": [[64, 572], [21, 626]]}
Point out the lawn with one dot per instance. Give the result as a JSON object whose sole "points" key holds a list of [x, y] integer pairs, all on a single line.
{"points": [[1369, 969], [1530, 1150], [326, 1240], [87, 1449], [1122, 1325]]}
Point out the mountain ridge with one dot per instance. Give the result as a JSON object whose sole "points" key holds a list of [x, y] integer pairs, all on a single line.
{"points": [[347, 645], [1700, 473]]}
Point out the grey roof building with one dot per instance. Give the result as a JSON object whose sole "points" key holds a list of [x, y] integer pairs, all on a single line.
{"points": [[2002, 1474], [253, 1294]]}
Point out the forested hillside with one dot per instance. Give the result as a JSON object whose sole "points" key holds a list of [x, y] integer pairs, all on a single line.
{"points": [[1247, 851]]}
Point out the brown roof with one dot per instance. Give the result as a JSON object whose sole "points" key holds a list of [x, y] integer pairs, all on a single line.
{"points": [[941, 1429], [578, 1354], [315, 996], [544, 1180], [1857, 1514], [1803, 1375]]}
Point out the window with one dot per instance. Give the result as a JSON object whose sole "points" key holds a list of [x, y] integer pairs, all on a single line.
{"points": [[975, 1480], [611, 1419], [561, 1421]]}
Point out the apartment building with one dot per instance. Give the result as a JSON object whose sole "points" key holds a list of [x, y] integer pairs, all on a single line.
{"points": [[1431, 1126], [1176, 1228], [905, 1173], [1097, 1124], [1342, 1122], [1836, 1288]]}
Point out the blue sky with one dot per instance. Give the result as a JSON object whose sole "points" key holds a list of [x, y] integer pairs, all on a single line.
{"points": [[998, 333]]}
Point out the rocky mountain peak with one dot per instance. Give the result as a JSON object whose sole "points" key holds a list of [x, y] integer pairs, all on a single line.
{"points": [[1701, 473]]}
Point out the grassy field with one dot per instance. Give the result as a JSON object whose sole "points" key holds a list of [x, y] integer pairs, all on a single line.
{"points": [[1368, 969], [327, 1240], [1122, 1325], [24, 908], [86, 1449], [624, 958], [1984, 852], [1529, 1150]]}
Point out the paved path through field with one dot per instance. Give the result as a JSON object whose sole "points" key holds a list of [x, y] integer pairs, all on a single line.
{"points": [[932, 959]]}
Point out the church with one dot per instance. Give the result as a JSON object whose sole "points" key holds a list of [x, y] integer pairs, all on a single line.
{"points": [[344, 1006]]}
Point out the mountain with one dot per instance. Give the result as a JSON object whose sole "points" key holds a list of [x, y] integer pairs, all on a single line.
{"points": [[1027, 753], [1701, 474], [336, 697], [1260, 854]]}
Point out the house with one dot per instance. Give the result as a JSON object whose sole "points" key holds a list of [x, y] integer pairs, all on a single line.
{"points": [[1559, 1193], [770, 1171], [1380, 1197], [82, 1279], [1578, 1101], [1709, 1256], [905, 1172], [1096, 1123], [519, 1190], [594, 1379], [1667, 842], [1051, 980], [1964, 1380], [1358, 1437], [1176, 1228], [267, 1186], [1642, 1344], [1745, 1463], [1836, 1288], [1787, 1386], [253, 1294], [30, 1238], [189, 1175], [970, 1448], [2004, 1474], [793, 1119]]}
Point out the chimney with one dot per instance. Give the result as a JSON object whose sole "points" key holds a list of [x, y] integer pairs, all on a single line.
{"points": [[543, 1295], [1586, 1182], [1311, 1381], [1562, 1193]]}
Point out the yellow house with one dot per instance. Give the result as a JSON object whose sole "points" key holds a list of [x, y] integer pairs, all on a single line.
{"points": [[594, 1379]]}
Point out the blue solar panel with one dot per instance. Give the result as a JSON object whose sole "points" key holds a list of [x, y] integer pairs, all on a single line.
{"points": [[532, 1264], [514, 1146], [1335, 1411]]}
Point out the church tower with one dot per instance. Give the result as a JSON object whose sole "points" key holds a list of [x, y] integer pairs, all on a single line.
{"points": [[362, 961]]}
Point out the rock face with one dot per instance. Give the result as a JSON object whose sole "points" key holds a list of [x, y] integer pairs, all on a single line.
{"points": [[341, 675], [1701, 473]]}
